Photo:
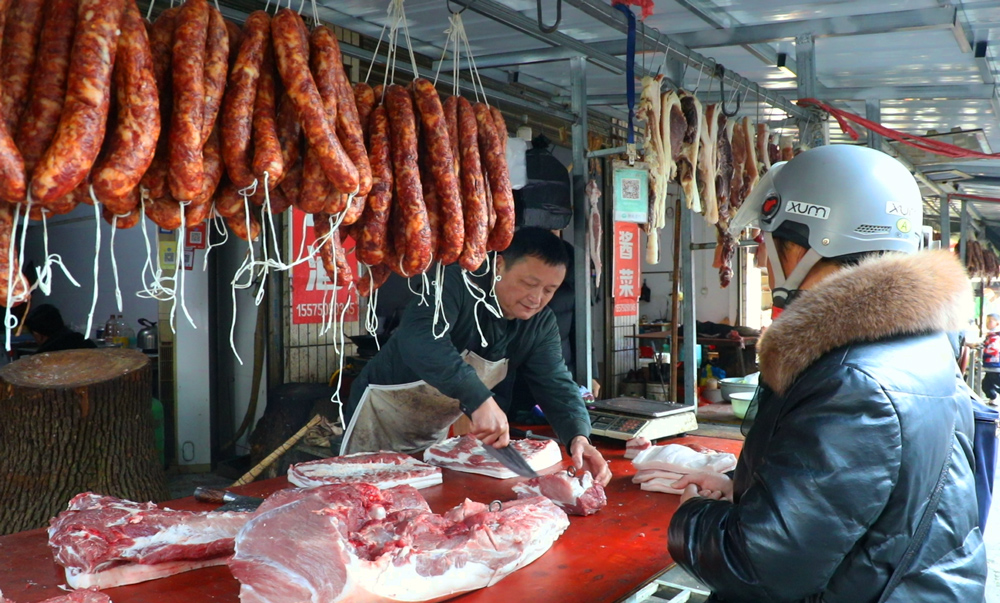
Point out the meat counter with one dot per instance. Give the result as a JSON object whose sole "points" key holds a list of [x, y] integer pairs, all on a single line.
{"points": [[604, 557]]}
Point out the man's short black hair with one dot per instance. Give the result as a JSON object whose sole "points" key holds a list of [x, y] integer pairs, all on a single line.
{"points": [[46, 320], [531, 241]]}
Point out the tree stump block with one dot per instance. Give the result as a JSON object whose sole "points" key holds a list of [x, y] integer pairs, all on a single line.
{"points": [[71, 422]]}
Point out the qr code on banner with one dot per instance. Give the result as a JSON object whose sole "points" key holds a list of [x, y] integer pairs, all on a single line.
{"points": [[631, 189]]}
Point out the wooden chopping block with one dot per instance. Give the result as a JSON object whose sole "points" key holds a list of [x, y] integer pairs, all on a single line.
{"points": [[71, 422]]}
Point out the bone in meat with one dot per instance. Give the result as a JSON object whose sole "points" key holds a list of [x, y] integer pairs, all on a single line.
{"points": [[723, 166], [737, 136], [763, 156], [707, 165], [687, 164]]}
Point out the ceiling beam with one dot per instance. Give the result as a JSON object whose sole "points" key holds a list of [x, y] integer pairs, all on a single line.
{"points": [[518, 57], [604, 13], [722, 21], [942, 17]]}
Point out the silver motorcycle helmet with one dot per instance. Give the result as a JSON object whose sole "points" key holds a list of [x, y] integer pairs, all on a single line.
{"points": [[837, 201]]}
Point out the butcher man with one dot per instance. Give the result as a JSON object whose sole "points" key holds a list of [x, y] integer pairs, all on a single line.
{"points": [[438, 366]]}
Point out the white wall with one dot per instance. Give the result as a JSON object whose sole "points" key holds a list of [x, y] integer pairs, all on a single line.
{"points": [[73, 238]]}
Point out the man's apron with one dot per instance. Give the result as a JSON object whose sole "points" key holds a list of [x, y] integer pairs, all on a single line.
{"points": [[411, 417]]}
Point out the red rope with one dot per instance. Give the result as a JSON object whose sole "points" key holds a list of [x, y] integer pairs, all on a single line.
{"points": [[936, 147]]}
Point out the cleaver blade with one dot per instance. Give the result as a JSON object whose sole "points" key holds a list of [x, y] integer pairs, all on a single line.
{"points": [[511, 459]]}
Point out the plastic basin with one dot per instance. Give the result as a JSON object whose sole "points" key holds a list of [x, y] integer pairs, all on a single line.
{"points": [[741, 402], [731, 385]]}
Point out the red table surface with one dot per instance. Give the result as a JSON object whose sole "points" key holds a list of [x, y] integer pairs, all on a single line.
{"points": [[604, 557]]}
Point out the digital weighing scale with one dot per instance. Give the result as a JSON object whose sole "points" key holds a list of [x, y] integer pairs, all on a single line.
{"points": [[627, 418]]}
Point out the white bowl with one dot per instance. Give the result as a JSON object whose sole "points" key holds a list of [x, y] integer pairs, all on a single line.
{"points": [[741, 402], [731, 385]]}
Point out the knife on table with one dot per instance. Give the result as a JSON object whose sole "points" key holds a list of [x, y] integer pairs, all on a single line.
{"points": [[511, 459], [232, 501]]}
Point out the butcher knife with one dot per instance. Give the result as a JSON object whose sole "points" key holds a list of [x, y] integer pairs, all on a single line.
{"points": [[233, 502], [511, 459]]}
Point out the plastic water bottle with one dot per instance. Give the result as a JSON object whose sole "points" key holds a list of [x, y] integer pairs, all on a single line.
{"points": [[110, 330]]}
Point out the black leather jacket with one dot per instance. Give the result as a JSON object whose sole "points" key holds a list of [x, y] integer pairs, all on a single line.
{"points": [[834, 477]]}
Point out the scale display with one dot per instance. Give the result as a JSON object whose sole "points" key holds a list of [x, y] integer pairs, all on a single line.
{"points": [[627, 418]]}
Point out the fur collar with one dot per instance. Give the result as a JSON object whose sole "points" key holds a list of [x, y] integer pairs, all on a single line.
{"points": [[879, 298]]}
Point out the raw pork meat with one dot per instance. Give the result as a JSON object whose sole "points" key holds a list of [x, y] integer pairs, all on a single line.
{"points": [[382, 469], [687, 162], [636, 445], [104, 541], [577, 495], [78, 596], [681, 459], [354, 542], [465, 453]]}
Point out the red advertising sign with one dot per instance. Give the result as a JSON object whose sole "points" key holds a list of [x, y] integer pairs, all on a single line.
{"points": [[625, 274], [311, 287]]}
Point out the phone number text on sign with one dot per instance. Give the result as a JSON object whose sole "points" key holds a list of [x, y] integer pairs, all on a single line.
{"points": [[312, 289]]}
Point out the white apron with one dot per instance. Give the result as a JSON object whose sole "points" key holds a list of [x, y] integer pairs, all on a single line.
{"points": [[410, 417]]}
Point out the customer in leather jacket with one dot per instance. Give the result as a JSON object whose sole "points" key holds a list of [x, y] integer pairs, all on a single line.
{"points": [[861, 414]]}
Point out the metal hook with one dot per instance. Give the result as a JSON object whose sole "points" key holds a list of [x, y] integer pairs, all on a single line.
{"points": [[466, 5], [720, 72], [497, 504], [549, 28], [571, 471]]}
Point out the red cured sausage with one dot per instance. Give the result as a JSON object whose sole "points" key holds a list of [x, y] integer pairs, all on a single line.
{"points": [[495, 165], [345, 276], [216, 69], [501, 127], [196, 213], [315, 188], [291, 184], [81, 194], [473, 189], [164, 212], [124, 220], [374, 223], [48, 85], [88, 94], [372, 279], [188, 71], [10, 275], [328, 64], [279, 202], [289, 134], [213, 169], [238, 224], [24, 23], [235, 40], [131, 144], [12, 176], [332, 251], [441, 168], [355, 209], [238, 103], [292, 54], [161, 35], [433, 204], [267, 150], [364, 98], [228, 202], [416, 249], [450, 108]]}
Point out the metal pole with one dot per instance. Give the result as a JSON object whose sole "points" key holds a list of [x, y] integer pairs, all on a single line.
{"points": [[873, 112], [581, 265], [945, 223], [675, 300], [690, 326], [964, 230]]}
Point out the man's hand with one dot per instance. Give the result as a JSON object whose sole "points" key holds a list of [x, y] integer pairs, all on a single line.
{"points": [[489, 425], [586, 457], [709, 484]]}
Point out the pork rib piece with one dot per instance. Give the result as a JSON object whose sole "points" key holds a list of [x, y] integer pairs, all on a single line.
{"points": [[104, 541], [465, 453], [382, 469], [77, 596], [577, 495], [354, 542]]}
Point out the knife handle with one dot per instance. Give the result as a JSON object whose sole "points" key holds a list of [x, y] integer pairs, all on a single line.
{"points": [[211, 495]]}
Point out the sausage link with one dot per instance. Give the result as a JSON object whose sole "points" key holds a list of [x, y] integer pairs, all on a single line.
{"points": [[442, 171], [495, 166], [12, 175], [450, 108], [373, 238], [433, 204], [355, 209], [315, 188], [291, 49], [235, 35], [66, 204], [364, 98], [289, 133], [267, 150], [373, 278], [395, 254], [416, 250], [10, 274], [500, 124], [161, 35], [228, 201], [321, 227], [345, 276], [24, 24], [188, 71], [125, 219], [291, 184], [328, 64], [475, 210], [493, 216], [238, 224], [130, 147], [213, 169], [88, 94], [48, 85], [238, 102], [164, 212], [279, 201], [216, 69], [196, 213]]}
